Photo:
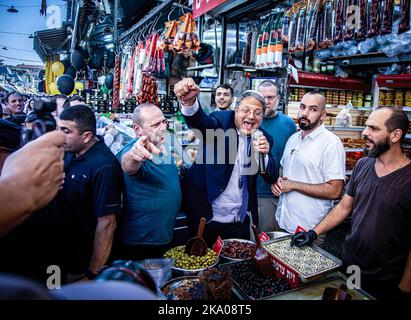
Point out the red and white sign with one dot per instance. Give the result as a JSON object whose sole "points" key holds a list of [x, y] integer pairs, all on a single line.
{"points": [[218, 246], [282, 271], [202, 6], [299, 229], [264, 237]]}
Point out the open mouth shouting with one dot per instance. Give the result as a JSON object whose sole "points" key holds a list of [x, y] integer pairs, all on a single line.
{"points": [[249, 126]]}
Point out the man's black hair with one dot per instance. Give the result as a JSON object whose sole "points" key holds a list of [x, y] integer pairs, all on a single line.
{"points": [[72, 98], [397, 120], [227, 87], [82, 115], [10, 94]]}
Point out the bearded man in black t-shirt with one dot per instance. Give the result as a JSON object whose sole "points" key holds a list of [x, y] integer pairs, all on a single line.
{"points": [[378, 196]]}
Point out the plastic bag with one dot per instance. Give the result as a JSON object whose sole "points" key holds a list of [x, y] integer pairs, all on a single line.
{"points": [[344, 118]]}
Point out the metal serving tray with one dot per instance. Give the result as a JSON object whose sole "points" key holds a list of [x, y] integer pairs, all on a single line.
{"points": [[176, 283], [308, 262]]}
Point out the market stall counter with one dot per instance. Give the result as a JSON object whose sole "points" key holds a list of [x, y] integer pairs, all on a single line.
{"points": [[308, 273]]}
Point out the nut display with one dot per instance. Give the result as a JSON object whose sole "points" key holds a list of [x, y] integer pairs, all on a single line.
{"points": [[255, 285], [185, 261], [238, 249]]}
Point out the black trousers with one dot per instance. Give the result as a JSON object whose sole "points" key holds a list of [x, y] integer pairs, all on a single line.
{"points": [[226, 231]]}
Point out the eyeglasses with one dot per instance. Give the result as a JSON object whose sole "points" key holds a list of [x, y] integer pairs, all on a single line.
{"points": [[156, 125], [258, 114], [270, 98]]}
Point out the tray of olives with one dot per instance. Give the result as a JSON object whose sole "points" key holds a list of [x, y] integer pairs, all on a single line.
{"points": [[249, 284], [188, 264]]}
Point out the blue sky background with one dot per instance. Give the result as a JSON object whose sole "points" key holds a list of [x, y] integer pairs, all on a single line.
{"points": [[28, 20]]}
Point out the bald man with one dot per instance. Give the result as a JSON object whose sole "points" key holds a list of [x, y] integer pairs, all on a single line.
{"points": [[152, 196], [313, 169]]}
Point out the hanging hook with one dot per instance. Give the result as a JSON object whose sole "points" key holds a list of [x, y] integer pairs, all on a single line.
{"points": [[169, 14], [154, 24]]}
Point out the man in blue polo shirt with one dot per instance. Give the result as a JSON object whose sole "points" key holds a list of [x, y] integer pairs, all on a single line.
{"points": [[280, 127], [91, 194], [152, 196]]}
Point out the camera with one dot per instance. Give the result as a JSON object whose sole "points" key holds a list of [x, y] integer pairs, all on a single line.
{"points": [[40, 120], [128, 271]]}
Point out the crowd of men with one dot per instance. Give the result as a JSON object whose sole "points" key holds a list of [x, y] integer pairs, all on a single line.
{"points": [[90, 207]]}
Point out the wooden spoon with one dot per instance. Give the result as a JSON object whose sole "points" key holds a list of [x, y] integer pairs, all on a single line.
{"points": [[261, 260], [197, 246]]}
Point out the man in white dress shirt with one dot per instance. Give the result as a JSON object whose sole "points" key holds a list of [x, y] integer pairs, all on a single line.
{"points": [[313, 169]]}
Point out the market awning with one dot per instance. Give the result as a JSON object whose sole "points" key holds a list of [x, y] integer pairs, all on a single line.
{"points": [[50, 42]]}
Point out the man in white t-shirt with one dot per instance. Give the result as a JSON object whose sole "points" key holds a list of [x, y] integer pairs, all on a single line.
{"points": [[313, 169]]}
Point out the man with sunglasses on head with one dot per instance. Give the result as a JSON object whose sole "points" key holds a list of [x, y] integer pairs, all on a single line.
{"points": [[313, 169], [281, 127], [152, 196], [221, 184]]}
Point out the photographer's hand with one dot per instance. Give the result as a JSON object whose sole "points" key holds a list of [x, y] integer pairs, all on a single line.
{"points": [[30, 179]]}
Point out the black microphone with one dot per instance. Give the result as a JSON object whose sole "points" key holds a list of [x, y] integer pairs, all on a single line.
{"points": [[261, 161]]}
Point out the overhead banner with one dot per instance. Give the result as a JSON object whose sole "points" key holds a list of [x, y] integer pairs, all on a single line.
{"points": [[202, 6]]}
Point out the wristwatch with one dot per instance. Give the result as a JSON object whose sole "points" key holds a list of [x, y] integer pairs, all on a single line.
{"points": [[90, 274]]}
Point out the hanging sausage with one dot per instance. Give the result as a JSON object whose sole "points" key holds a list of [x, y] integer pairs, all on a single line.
{"points": [[386, 14], [292, 31], [285, 27], [373, 18], [362, 29], [116, 83], [312, 25], [405, 10], [339, 18], [326, 38], [299, 41]]}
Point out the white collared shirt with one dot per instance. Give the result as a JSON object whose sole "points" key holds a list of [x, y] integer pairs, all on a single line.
{"points": [[316, 159], [227, 206]]}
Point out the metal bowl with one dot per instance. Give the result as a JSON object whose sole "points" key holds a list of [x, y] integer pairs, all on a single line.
{"points": [[176, 283], [192, 272], [276, 234], [226, 241]]}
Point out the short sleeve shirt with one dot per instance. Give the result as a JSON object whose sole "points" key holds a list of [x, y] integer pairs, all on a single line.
{"points": [[92, 188], [316, 159], [380, 236]]}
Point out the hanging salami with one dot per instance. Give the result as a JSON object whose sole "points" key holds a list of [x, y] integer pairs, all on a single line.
{"points": [[253, 51], [116, 83], [339, 18], [148, 92], [245, 59], [299, 41], [285, 27], [373, 18], [362, 29], [327, 32], [292, 31], [405, 10], [387, 12], [312, 25]]}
